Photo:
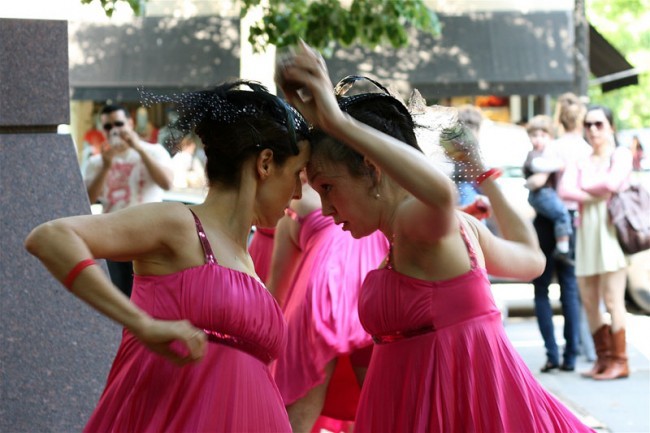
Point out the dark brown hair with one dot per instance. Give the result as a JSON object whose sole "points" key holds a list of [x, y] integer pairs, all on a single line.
{"points": [[234, 124], [378, 110]]}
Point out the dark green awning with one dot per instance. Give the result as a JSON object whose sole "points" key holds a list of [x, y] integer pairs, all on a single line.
{"points": [[162, 54], [608, 64], [486, 53]]}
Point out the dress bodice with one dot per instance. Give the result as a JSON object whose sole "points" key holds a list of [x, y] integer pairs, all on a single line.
{"points": [[230, 388], [232, 307], [437, 343], [392, 303]]}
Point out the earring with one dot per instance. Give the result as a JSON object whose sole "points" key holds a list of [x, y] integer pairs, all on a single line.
{"points": [[377, 196]]}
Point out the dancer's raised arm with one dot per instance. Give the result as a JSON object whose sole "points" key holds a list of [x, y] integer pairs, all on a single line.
{"points": [[305, 82]]}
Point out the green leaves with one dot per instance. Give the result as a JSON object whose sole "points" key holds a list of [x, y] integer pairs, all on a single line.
{"points": [[109, 5], [324, 23], [624, 23]]}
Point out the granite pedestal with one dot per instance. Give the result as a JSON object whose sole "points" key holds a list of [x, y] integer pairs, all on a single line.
{"points": [[56, 351]]}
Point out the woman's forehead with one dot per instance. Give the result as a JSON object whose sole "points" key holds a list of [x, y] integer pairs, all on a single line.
{"points": [[319, 166], [596, 115]]}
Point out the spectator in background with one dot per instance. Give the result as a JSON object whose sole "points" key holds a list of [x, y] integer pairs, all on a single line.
{"points": [[93, 140], [472, 117], [637, 153], [569, 147], [555, 244], [145, 129], [544, 199], [189, 171], [600, 261], [168, 135], [127, 172]]}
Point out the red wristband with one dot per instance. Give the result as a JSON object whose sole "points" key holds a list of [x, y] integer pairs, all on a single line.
{"points": [[74, 273], [493, 173]]}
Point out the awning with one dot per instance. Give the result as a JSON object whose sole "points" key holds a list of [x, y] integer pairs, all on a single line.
{"points": [[491, 53], [162, 54], [608, 64], [486, 53]]}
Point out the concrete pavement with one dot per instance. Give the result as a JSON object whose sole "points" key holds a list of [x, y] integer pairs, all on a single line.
{"points": [[618, 406]]}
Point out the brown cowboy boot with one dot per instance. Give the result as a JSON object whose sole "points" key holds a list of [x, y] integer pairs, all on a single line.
{"points": [[617, 367], [603, 344]]}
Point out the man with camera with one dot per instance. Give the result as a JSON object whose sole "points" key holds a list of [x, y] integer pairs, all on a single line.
{"points": [[127, 172]]}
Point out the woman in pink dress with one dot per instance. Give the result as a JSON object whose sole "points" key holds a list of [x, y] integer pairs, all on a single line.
{"points": [[442, 361], [200, 329], [260, 249], [317, 271]]}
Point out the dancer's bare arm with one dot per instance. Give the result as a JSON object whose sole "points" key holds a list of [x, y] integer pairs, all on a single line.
{"points": [[434, 191], [62, 243]]}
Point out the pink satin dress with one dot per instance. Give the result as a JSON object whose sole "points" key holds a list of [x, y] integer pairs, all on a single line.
{"points": [[231, 389], [322, 314], [442, 361], [261, 249]]}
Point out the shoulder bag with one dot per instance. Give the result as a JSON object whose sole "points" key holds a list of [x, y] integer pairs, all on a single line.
{"points": [[629, 212]]}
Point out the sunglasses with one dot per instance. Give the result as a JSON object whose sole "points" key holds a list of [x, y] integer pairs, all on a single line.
{"points": [[116, 124], [598, 124]]}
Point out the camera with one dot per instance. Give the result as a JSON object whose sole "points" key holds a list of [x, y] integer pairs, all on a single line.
{"points": [[114, 139]]}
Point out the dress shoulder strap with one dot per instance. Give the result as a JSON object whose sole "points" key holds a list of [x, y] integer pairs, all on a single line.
{"points": [[207, 249], [389, 257], [468, 243]]}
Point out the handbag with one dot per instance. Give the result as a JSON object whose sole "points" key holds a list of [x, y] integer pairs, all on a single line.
{"points": [[629, 212]]}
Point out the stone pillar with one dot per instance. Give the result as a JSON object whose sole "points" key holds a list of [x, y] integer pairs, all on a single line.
{"points": [[56, 351]]}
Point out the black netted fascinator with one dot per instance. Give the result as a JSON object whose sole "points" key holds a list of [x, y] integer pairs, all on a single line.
{"points": [[347, 83], [373, 104], [231, 104]]}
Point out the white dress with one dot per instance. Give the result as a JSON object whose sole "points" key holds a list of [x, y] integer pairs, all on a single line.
{"points": [[597, 249]]}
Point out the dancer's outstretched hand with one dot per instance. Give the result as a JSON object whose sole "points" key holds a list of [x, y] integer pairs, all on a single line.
{"points": [[302, 75], [461, 145]]}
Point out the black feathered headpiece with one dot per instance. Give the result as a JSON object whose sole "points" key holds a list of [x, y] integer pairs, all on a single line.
{"points": [[345, 102], [228, 104]]}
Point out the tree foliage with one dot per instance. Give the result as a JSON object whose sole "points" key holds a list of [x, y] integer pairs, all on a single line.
{"points": [[626, 25], [324, 23], [109, 5]]}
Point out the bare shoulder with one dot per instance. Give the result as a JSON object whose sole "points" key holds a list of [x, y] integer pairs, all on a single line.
{"points": [[419, 221], [165, 221], [175, 217], [159, 212], [472, 223], [168, 230]]}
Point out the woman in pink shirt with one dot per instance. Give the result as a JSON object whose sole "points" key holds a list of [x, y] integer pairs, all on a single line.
{"points": [[600, 262]]}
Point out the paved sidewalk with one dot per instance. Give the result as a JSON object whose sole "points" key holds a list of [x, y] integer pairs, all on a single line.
{"points": [[618, 406]]}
